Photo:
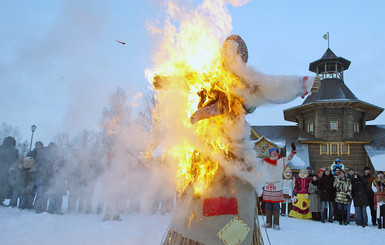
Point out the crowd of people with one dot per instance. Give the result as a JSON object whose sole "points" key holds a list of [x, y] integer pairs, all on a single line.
{"points": [[40, 179], [329, 194]]}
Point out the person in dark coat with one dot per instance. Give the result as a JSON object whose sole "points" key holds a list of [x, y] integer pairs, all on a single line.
{"points": [[31, 181], [44, 162], [369, 178], [327, 192], [34, 152], [8, 155], [360, 200]]}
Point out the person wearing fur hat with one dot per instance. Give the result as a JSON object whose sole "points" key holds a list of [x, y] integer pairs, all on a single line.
{"points": [[315, 200], [18, 179], [272, 193], [287, 187], [327, 193], [301, 198], [368, 177], [378, 187], [343, 196]]}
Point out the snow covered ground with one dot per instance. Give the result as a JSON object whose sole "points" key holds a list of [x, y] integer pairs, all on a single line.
{"points": [[19, 227]]}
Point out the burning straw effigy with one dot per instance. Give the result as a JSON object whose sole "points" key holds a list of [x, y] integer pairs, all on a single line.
{"points": [[204, 89]]}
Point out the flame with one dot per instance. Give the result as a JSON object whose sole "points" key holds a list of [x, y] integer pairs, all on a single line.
{"points": [[189, 63]]}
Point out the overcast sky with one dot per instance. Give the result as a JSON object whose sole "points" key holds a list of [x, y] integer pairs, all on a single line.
{"points": [[59, 60]]}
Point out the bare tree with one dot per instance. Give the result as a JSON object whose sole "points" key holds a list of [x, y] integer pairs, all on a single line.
{"points": [[8, 130]]}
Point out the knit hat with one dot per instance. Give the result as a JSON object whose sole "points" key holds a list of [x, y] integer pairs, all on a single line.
{"points": [[380, 172], [273, 149], [309, 167], [337, 160], [366, 168]]}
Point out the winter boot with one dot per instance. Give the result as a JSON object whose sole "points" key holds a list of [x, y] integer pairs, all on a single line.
{"points": [[374, 219], [107, 217], [276, 220], [383, 221], [268, 218], [116, 217], [344, 217], [283, 209], [379, 223]]}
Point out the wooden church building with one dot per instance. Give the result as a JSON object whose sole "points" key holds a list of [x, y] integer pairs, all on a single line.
{"points": [[330, 124]]}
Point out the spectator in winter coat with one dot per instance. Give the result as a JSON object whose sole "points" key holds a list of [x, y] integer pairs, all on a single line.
{"points": [[44, 164], [327, 193], [336, 172], [378, 188], [31, 185], [57, 181], [343, 196], [8, 155], [350, 176], [368, 177], [33, 153], [18, 179], [360, 198], [315, 200]]}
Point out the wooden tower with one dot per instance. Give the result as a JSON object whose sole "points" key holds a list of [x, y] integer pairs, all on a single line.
{"points": [[333, 119]]}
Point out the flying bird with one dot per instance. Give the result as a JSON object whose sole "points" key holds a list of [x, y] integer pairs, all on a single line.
{"points": [[121, 42]]}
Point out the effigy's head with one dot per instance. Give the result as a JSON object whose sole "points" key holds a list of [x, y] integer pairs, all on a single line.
{"points": [[234, 50], [287, 173], [303, 173]]}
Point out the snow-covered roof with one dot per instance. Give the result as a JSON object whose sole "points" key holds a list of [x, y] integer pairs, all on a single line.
{"points": [[301, 159], [376, 156]]}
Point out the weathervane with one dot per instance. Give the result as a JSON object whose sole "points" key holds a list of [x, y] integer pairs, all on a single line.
{"points": [[326, 37]]}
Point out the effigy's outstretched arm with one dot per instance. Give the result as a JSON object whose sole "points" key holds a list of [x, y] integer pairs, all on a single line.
{"points": [[257, 88]]}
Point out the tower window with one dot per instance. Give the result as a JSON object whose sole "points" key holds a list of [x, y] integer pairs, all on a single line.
{"points": [[356, 127], [334, 125], [310, 127]]}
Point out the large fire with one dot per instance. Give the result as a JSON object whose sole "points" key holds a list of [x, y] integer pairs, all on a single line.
{"points": [[190, 75]]}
